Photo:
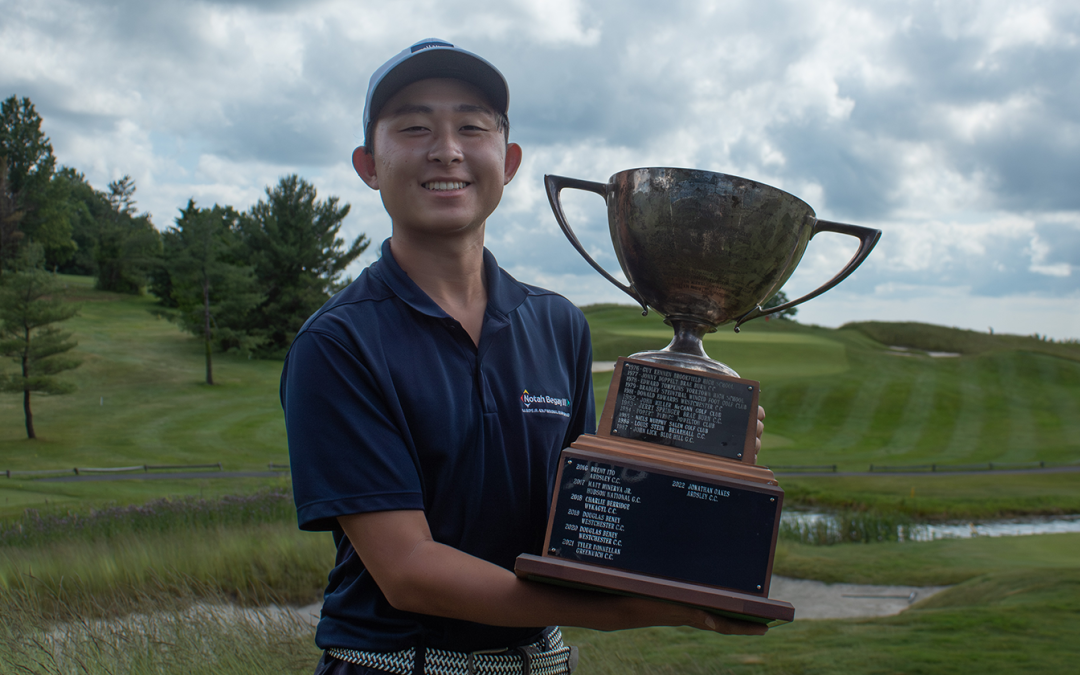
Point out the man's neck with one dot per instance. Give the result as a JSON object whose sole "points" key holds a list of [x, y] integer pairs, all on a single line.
{"points": [[450, 270]]}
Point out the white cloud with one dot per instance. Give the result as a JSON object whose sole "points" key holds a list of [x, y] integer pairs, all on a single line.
{"points": [[954, 127]]}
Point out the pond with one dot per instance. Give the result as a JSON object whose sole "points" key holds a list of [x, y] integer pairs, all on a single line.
{"points": [[1010, 527]]}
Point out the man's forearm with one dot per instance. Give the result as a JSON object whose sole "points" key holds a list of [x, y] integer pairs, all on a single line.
{"points": [[418, 574]]}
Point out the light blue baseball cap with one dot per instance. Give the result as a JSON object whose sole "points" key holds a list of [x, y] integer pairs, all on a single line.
{"points": [[432, 58]]}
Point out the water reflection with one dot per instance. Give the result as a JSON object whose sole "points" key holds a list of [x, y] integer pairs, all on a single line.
{"points": [[965, 530]]}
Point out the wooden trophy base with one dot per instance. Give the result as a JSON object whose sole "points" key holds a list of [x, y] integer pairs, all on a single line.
{"points": [[637, 517], [586, 576]]}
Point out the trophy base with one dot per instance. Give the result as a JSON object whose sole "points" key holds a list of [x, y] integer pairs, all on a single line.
{"points": [[665, 501], [687, 361], [584, 576]]}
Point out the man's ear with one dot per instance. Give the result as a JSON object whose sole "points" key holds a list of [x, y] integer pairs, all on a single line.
{"points": [[512, 163], [364, 163]]}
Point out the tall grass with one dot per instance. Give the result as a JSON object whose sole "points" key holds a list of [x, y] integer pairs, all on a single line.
{"points": [[252, 565], [246, 547], [850, 527], [183, 635], [159, 516]]}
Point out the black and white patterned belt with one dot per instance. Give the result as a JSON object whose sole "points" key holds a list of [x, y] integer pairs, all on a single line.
{"points": [[546, 656]]}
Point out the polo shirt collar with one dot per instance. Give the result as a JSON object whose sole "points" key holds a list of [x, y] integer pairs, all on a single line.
{"points": [[504, 292]]}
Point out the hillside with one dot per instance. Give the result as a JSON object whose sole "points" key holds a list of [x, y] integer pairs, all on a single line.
{"points": [[930, 338], [844, 397], [832, 396]]}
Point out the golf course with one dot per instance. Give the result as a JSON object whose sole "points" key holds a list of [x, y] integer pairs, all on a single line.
{"points": [[886, 420]]}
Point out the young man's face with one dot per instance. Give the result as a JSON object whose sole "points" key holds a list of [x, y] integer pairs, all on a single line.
{"points": [[440, 160]]}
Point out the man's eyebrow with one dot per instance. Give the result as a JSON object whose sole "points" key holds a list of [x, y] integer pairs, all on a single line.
{"points": [[469, 107], [409, 109], [414, 108]]}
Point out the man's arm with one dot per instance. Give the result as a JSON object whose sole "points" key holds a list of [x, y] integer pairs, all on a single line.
{"points": [[418, 574]]}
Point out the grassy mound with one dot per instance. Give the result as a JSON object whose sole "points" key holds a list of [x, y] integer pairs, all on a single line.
{"points": [[930, 338]]}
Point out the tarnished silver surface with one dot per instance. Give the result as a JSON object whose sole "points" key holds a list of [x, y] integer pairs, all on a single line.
{"points": [[704, 248]]}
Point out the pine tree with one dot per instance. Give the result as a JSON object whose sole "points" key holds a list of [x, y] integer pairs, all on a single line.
{"points": [[292, 240], [29, 306], [44, 203], [127, 243]]}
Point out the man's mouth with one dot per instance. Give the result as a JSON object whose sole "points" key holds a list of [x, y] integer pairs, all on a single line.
{"points": [[441, 185]]}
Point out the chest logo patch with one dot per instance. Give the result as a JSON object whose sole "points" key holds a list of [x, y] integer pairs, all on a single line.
{"points": [[541, 404]]}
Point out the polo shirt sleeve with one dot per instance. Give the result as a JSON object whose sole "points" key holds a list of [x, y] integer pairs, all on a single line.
{"points": [[346, 453], [583, 420]]}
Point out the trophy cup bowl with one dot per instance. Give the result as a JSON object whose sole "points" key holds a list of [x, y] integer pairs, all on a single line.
{"points": [[704, 249]]}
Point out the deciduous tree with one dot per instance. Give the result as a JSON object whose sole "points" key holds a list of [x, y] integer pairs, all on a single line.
{"points": [[777, 300]]}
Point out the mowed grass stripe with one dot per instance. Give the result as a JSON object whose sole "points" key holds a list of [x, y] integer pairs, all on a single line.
{"points": [[800, 405], [861, 404], [912, 422], [941, 419], [1061, 380], [970, 415], [1020, 397], [997, 427]]}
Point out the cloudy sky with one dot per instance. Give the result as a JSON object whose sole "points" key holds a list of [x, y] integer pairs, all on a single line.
{"points": [[954, 126]]}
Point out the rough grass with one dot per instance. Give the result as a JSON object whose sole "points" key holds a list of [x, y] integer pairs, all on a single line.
{"points": [[191, 634], [250, 564], [930, 338], [928, 563], [247, 548], [940, 496], [1001, 623]]}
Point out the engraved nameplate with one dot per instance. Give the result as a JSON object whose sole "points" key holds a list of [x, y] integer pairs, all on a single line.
{"points": [[682, 526], [692, 411]]}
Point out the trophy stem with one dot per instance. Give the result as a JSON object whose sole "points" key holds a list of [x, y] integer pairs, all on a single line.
{"points": [[686, 350]]}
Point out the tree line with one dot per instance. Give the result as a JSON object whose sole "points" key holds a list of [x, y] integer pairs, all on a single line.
{"points": [[242, 281]]}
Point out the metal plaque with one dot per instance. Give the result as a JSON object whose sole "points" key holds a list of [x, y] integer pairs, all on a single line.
{"points": [[692, 411], [713, 531]]}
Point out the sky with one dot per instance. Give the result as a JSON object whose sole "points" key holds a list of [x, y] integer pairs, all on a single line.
{"points": [[952, 126]]}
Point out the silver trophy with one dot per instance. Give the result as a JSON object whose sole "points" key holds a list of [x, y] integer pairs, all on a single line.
{"points": [[704, 249]]}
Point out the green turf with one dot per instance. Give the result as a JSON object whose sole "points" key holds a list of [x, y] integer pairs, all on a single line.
{"points": [[832, 396], [940, 496], [141, 399], [841, 397], [927, 563], [1004, 623]]}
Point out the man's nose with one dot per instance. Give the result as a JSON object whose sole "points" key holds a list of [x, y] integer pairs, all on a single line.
{"points": [[445, 148]]}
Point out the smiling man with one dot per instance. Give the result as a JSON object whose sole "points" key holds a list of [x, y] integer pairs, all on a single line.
{"points": [[409, 403]]}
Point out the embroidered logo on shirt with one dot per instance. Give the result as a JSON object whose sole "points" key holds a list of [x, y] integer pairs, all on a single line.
{"points": [[534, 403]]}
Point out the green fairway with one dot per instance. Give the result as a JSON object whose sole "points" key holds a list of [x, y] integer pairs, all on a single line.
{"points": [[840, 397], [937, 496], [832, 396], [141, 398], [928, 563]]}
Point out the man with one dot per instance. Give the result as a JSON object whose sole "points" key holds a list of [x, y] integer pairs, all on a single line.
{"points": [[403, 403]]}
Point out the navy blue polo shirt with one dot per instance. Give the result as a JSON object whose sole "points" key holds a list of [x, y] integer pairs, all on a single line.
{"points": [[389, 405]]}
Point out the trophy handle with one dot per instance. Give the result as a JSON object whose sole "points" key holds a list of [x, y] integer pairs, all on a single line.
{"points": [[555, 185], [868, 238]]}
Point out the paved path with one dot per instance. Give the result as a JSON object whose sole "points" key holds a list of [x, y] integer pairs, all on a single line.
{"points": [[163, 475]]}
